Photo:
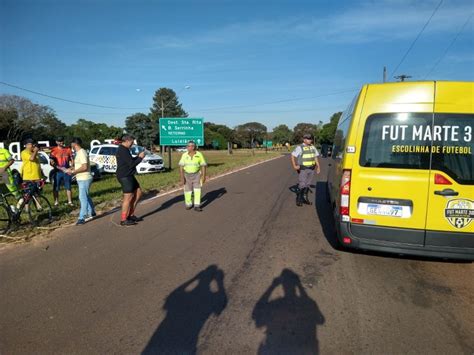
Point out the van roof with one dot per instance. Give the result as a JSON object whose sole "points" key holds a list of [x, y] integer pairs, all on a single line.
{"points": [[406, 83]]}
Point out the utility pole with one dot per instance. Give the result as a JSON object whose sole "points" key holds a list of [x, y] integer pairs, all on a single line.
{"points": [[402, 77], [384, 74], [169, 147]]}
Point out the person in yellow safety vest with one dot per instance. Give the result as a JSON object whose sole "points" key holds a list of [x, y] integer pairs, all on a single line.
{"points": [[6, 160], [192, 169], [305, 160]]}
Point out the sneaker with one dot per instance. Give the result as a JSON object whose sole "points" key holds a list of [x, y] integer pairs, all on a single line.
{"points": [[89, 218], [198, 209], [80, 222], [189, 207], [135, 218], [56, 203], [127, 222], [70, 204]]}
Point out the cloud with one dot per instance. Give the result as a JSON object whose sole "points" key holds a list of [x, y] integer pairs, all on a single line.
{"points": [[362, 23]]}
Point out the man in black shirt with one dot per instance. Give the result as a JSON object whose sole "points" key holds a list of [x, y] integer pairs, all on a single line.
{"points": [[126, 169]]}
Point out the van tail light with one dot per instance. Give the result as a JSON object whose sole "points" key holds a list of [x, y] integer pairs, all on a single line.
{"points": [[441, 180], [345, 192]]}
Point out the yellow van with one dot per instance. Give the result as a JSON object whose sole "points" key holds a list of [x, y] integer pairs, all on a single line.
{"points": [[401, 178]]}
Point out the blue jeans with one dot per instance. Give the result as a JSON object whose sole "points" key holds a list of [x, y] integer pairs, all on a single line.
{"points": [[87, 206]]}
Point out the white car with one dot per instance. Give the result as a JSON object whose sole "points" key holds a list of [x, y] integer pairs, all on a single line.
{"points": [[104, 156]]}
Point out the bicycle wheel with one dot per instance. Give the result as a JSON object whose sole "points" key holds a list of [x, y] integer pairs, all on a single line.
{"points": [[39, 210], [5, 219]]}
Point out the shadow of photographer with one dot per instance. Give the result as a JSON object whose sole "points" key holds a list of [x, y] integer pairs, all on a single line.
{"points": [[290, 317], [187, 309]]}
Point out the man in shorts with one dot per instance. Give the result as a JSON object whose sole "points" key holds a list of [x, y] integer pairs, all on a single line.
{"points": [[61, 159], [126, 169]]}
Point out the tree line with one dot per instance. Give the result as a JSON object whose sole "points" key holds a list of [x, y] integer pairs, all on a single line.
{"points": [[20, 118]]}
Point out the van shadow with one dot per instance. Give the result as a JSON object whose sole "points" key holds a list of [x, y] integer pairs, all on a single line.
{"points": [[187, 309], [290, 320], [325, 215]]}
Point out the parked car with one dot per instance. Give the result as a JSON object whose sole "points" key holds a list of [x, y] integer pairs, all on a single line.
{"points": [[104, 156], [181, 149], [402, 170]]}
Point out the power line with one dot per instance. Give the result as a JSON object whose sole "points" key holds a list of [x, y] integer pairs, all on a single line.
{"points": [[146, 108], [449, 47], [71, 101], [276, 102], [416, 39]]}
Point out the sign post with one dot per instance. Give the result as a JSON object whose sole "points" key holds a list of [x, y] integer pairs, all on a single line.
{"points": [[179, 131]]}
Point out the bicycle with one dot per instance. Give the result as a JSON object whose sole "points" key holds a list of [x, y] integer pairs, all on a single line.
{"points": [[33, 202]]}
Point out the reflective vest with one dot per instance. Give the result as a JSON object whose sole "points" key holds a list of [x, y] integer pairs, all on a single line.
{"points": [[192, 165], [308, 156], [5, 157]]}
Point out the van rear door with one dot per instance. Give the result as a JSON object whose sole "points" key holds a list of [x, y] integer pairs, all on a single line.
{"points": [[450, 217], [390, 177]]}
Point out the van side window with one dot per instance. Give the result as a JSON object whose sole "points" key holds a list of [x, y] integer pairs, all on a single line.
{"points": [[95, 150], [397, 140], [342, 129], [454, 153], [340, 139]]}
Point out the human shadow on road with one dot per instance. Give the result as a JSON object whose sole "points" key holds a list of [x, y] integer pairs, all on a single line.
{"points": [[165, 205], [207, 199], [213, 195], [187, 309], [294, 188], [290, 320]]}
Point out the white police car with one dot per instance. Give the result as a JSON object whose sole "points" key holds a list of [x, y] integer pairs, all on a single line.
{"points": [[104, 156]]}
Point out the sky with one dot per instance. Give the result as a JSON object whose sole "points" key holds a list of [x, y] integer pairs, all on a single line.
{"points": [[271, 61]]}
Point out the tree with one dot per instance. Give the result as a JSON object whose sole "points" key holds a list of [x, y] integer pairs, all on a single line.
{"points": [[49, 127], [304, 128], [214, 139], [22, 117], [250, 133], [142, 127], [88, 131], [8, 117], [226, 132], [328, 130], [281, 134], [165, 104]]}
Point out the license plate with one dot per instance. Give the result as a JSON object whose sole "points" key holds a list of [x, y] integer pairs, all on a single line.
{"points": [[384, 210]]}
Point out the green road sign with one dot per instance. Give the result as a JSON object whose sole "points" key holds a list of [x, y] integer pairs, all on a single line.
{"points": [[268, 144], [179, 131]]}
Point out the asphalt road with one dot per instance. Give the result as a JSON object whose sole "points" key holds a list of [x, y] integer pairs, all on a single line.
{"points": [[252, 273]]}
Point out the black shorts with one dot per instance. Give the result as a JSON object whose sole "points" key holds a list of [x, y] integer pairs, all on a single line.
{"points": [[129, 184]]}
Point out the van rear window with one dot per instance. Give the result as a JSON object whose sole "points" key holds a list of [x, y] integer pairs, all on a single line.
{"points": [[455, 155], [389, 141], [416, 140]]}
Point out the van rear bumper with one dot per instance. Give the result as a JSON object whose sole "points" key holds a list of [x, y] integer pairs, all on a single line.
{"points": [[408, 241]]}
